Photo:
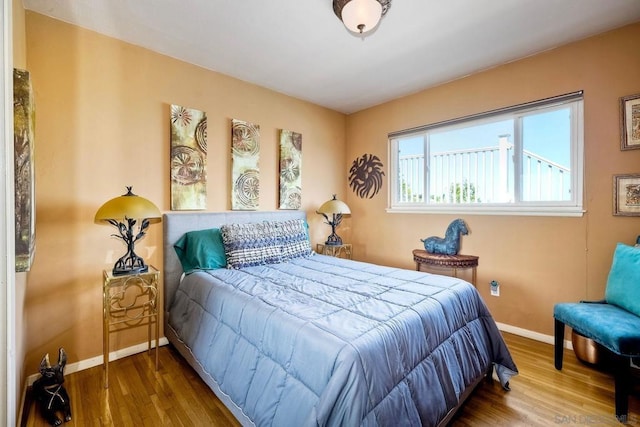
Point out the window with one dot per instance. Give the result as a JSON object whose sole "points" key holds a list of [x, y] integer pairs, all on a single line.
{"points": [[525, 159]]}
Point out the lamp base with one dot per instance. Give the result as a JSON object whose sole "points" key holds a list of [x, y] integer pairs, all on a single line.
{"points": [[333, 240], [129, 263], [135, 270]]}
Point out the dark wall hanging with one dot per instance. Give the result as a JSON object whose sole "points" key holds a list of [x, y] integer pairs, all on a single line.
{"points": [[365, 176]]}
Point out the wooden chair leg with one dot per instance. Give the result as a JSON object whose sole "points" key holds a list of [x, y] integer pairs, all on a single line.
{"points": [[622, 373], [559, 343]]}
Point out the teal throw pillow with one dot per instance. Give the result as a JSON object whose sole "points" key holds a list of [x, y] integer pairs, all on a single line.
{"points": [[623, 284], [201, 250]]}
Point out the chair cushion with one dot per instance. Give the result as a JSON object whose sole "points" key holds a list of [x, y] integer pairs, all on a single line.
{"points": [[623, 283], [608, 325]]}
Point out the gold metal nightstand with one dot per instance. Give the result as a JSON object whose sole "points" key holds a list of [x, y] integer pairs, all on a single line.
{"points": [[128, 301], [335, 250]]}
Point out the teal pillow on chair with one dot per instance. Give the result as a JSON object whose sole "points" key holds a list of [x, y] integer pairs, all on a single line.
{"points": [[201, 250], [623, 284]]}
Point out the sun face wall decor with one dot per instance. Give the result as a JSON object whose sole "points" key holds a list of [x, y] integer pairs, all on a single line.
{"points": [[290, 170], [188, 159], [365, 176], [245, 173]]}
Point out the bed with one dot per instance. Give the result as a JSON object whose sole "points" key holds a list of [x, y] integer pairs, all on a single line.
{"points": [[292, 338]]}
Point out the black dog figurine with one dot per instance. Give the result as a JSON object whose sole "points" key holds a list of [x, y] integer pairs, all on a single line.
{"points": [[49, 391]]}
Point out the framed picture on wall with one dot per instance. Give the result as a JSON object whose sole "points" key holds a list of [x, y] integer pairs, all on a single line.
{"points": [[626, 195], [630, 122], [24, 146]]}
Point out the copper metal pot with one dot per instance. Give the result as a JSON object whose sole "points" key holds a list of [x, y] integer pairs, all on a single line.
{"points": [[586, 349]]}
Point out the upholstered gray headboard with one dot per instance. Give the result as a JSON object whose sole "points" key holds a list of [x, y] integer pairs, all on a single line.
{"points": [[175, 224]]}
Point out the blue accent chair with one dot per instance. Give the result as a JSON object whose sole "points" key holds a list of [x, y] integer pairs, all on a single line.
{"points": [[614, 322]]}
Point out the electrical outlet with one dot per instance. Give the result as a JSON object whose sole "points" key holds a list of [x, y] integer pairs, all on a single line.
{"points": [[495, 288]]}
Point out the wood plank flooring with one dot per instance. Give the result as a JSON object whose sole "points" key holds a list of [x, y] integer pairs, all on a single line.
{"points": [[175, 396]]}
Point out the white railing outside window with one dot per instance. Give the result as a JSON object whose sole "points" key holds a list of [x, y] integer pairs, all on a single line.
{"points": [[481, 175]]}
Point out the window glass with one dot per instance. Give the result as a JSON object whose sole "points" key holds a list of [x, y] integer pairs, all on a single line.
{"points": [[411, 170], [470, 164], [546, 156], [525, 158]]}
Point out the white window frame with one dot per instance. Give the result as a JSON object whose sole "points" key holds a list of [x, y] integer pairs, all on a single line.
{"points": [[573, 207]]}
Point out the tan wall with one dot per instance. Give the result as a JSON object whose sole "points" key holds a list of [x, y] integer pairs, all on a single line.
{"points": [[537, 260], [19, 35], [103, 123]]}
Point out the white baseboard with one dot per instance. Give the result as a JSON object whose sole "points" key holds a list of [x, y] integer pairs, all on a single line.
{"points": [[536, 336], [98, 360]]}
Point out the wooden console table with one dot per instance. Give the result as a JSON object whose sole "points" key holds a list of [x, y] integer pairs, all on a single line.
{"points": [[454, 262]]}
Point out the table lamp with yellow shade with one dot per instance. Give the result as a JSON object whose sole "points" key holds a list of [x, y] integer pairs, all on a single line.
{"points": [[124, 212], [336, 208]]}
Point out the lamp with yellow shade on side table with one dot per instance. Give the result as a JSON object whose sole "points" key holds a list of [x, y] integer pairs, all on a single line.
{"points": [[130, 289], [334, 246]]}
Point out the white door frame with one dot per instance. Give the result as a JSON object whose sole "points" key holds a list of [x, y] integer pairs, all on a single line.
{"points": [[8, 385]]}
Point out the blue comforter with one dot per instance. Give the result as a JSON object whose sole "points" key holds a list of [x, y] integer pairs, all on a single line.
{"points": [[322, 341]]}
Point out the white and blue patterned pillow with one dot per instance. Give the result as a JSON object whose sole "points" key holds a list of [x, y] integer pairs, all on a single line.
{"points": [[294, 239], [251, 244]]}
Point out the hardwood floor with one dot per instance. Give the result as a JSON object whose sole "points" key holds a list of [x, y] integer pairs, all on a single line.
{"points": [[140, 396], [540, 395], [175, 396]]}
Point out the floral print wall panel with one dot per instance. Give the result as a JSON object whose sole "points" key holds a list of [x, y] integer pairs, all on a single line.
{"points": [[245, 174], [188, 159], [290, 170]]}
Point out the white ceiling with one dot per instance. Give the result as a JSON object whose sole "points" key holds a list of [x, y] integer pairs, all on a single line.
{"points": [[300, 48]]}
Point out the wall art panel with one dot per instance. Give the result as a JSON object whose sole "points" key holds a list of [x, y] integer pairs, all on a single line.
{"points": [[245, 173], [23, 140], [188, 159], [290, 170]]}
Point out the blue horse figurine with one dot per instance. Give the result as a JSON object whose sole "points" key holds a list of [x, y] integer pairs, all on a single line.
{"points": [[450, 245]]}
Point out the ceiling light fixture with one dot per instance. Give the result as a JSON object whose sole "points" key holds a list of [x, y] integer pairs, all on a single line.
{"points": [[360, 16]]}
